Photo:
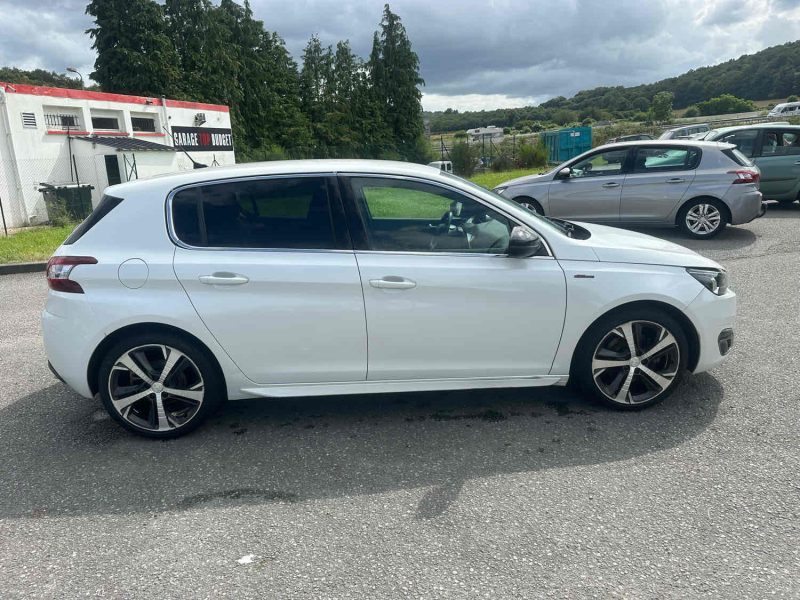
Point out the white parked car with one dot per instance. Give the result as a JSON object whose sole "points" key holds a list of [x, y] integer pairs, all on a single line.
{"points": [[306, 278]]}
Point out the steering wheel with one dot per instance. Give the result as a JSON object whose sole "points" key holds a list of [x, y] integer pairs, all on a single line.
{"points": [[444, 227]]}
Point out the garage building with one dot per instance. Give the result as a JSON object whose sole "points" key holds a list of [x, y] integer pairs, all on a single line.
{"points": [[54, 138]]}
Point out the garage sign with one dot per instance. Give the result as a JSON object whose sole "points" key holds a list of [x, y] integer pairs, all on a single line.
{"points": [[202, 138]]}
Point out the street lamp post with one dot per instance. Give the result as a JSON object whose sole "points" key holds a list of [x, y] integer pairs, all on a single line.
{"points": [[74, 70]]}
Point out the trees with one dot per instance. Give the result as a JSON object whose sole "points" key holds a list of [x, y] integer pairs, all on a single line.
{"points": [[134, 52], [38, 77], [661, 106], [394, 70], [725, 104]]}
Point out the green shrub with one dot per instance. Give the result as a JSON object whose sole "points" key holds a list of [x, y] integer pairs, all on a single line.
{"points": [[724, 105], [792, 98], [506, 130], [464, 158], [529, 155], [460, 135], [641, 116], [692, 111], [525, 129]]}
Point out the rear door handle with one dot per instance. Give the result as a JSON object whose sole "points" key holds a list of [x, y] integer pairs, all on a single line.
{"points": [[223, 278], [392, 282], [676, 180], [611, 184], [797, 162]]}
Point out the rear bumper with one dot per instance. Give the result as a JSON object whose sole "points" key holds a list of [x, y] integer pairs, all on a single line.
{"points": [[714, 318], [745, 206], [67, 351]]}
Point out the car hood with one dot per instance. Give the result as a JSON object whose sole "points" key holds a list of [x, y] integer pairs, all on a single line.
{"points": [[612, 244], [527, 179]]}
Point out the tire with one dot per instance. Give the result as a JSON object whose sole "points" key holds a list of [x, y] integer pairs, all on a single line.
{"points": [[163, 407], [696, 216], [530, 204], [651, 379]]}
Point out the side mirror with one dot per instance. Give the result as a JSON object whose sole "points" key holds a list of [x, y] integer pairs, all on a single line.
{"points": [[564, 173], [523, 243]]}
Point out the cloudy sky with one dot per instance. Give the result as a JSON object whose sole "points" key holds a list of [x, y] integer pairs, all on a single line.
{"points": [[474, 53]]}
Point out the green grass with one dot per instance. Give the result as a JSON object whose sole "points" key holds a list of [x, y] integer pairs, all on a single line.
{"points": [[491, 180], [33, 244]]}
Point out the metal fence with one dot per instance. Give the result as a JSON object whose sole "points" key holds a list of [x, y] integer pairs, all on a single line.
{"points": [[20, 181]]}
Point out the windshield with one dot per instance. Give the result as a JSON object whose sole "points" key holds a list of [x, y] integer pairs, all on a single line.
{"points": [[558, 225]]}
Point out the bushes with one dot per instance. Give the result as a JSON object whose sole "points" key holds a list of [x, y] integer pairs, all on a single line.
{"points": [[464, 158], [529, 155], [692, 111], [792, 98], [724, 105]]}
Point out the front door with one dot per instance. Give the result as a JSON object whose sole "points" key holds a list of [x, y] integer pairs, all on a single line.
{"points": [[593, 189], [269, 269], [657, 182], [442, 298]]}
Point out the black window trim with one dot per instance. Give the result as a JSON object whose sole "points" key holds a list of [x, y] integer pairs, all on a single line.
{"points": [[687, 147], [358, 228], [341, 234]]}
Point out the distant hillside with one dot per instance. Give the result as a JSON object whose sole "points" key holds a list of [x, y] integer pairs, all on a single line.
{"points": [[771, 73]]}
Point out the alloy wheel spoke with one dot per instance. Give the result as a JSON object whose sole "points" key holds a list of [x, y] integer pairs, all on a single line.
{"points": [[122, 403], [604, 363], [196, 395], [665, 342], [622, 394], [163, 422], [659, 380], [126, 360], [627, 330], [172, 359]]}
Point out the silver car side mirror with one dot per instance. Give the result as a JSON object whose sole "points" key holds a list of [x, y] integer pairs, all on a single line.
{"points": [[564, 173], [523, 242]]}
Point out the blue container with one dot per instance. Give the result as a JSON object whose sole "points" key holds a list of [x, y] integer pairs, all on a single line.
{"points": [[567, 143]]}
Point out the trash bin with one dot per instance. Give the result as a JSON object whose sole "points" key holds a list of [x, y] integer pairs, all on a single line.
{"points": [[67, 201]]}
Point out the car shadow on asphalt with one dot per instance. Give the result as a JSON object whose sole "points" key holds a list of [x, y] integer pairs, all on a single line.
{"points": [[731, 238], [62, 455]]}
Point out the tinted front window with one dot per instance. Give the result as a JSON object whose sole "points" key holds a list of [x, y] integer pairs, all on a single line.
{"points": [[259, 213], [602, 163], [409, 216], [653, 159]]}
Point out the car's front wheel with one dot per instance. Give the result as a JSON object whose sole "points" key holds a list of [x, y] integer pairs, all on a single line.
{"points": [[632, 359], [702, 218], [530, 203], [159, 385]]}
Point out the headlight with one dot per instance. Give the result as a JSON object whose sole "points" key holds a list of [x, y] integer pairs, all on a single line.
{"points": [[715, 280], [500, 190]]}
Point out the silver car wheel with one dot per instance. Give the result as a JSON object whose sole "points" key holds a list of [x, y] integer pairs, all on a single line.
{"points": [[703, 219], [156, 387], [636, 362]]}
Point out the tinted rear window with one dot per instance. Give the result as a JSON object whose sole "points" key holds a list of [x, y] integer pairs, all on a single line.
{"points": [[736, 156], [107, 204]]}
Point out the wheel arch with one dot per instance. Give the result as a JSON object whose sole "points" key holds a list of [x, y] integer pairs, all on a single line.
{"points": [[724, 207], [688, 328], [527, 198], [139, 328]]}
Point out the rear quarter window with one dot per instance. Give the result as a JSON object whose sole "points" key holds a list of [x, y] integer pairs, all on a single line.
{"points": [[106, 205], [736, 156]]}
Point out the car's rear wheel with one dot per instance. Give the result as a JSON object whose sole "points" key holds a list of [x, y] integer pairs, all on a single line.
{"points": [[159, 386], [632, 359], [702, 218], [530, 203]]}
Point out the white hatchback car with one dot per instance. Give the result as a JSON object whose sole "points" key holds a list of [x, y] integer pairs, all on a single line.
{"points": [[305, 278]]}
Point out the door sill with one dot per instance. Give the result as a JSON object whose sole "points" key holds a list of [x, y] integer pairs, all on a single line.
{"points": [[406, 385]]}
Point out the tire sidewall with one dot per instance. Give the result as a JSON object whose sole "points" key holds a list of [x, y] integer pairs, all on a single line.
{"points": [[214, 387], [582, 366], [692, 203], [531, 202]]}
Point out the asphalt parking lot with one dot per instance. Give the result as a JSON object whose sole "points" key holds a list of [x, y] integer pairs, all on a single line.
{"points": [[499, 494]]}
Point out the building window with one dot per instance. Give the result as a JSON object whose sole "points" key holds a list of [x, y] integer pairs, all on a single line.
{"points": [[143, 124], [105, 123], [29, 120], [60, 121]]}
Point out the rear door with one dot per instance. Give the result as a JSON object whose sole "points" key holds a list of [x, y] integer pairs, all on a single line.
{"points": [[779, 161], [592, 191], [658, 180], [268, 266]]}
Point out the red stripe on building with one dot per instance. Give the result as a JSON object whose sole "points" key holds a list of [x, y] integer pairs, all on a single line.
{"points": [[53, 92]]}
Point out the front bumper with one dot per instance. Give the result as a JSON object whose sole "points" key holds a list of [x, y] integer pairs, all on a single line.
{"points": [[714, 318]]}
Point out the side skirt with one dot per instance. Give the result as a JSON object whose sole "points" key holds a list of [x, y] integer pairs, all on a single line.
{"points": [[410, 385]]}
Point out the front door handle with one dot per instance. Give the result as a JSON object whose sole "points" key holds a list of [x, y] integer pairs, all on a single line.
{"points": [[392, 282], [611, 184], [223, 278], [797, 162], [675, 180]]}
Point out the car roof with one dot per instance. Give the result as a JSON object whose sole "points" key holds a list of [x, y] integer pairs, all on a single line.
{"points": [[279, 167], [756, 126], [697, 143]]}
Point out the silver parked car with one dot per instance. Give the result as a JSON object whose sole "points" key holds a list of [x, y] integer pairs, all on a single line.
{"points": [[697, 186]]}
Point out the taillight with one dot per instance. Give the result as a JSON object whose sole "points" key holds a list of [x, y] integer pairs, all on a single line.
{"points": [[745, 176], [59, 268]]}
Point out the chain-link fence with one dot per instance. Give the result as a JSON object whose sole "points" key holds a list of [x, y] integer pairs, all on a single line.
{"points": [[21, 181]]}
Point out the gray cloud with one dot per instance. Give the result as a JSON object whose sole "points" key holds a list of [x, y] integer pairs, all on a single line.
{"points": [[505, 51]]}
